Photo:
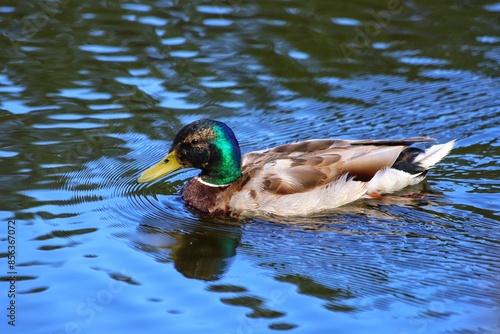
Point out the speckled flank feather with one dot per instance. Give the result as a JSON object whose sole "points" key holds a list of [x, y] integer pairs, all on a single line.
{"points": [[327, 197]]}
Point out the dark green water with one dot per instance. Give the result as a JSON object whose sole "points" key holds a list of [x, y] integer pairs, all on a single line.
{"points": [[93, 92]]}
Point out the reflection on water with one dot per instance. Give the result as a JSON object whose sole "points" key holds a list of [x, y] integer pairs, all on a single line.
{"points": [[91, 93], [200, 253]]}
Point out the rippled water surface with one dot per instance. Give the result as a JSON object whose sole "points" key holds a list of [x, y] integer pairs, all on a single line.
{"points": [[93, 92]]}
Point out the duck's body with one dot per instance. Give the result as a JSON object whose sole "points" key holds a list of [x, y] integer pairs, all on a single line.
{"points": [[294, 179]]}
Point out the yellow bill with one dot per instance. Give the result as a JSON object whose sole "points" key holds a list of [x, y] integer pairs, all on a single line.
{"points": [[166, 166]]}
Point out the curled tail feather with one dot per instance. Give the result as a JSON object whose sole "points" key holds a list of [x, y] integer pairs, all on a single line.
{"points": [[434, 154]]}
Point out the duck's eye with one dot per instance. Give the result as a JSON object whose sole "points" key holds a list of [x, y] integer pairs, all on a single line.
{"points": [[195, 141]]}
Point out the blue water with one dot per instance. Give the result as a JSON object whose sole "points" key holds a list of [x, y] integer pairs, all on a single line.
{"points": [[92, 93]]}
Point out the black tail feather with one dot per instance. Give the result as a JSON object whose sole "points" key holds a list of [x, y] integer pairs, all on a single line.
{"points": [[406, 161]]}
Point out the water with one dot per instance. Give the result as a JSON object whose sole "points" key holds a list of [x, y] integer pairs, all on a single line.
{"points": [[91, 93]]}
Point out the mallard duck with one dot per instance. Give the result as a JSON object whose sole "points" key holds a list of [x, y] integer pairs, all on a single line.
{"points": [[294, 179]]}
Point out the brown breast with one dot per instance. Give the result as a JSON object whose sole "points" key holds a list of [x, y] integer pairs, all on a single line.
{"points": [[204, 197]]}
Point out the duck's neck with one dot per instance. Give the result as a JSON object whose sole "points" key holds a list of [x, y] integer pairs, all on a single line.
{"points": [[210, 183], [224, 166], [228, 171]]}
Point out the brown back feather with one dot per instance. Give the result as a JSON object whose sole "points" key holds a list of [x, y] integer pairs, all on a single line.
{"points": [[303, 166]]}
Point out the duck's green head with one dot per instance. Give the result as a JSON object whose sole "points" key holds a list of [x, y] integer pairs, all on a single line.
{"points": [[205, 144]]}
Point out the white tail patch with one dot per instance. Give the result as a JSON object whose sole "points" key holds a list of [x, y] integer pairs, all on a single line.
{"points": [[434, 154], [389, 180]]}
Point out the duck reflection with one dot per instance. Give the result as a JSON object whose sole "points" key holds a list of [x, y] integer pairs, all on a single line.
{"points": [[202, 253], [203, 247]]}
